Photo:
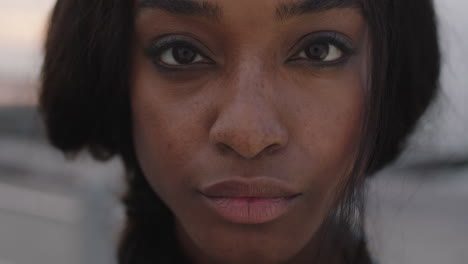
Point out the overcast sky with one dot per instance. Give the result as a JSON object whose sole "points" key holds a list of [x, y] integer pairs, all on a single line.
{"points": [[21, 30]]}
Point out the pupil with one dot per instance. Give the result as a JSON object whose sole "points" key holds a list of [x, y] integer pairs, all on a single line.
{"points": [[183, 55], [318, 51]]}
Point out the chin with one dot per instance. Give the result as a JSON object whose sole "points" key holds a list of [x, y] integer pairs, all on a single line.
{"points": [[258, 254], [247, 244]]}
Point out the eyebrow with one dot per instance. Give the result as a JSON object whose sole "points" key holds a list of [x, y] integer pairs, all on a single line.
{"points": [[292, 9], [214, 12], [184, 7]]}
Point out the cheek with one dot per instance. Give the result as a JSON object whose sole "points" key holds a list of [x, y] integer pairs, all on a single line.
{"points": [[335, 125], [326, 122], [158, 133], [330, 114], [166, 138]]}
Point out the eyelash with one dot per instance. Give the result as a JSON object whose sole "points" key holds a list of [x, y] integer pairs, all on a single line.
{"points": [[159, 47], [329, 38]]}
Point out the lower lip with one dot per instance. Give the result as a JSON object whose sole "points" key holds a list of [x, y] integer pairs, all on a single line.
{"points": [[251, 210]]}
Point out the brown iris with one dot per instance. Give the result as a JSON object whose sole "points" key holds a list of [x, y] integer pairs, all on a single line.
{"points": [[318, 51], [183, 54]]}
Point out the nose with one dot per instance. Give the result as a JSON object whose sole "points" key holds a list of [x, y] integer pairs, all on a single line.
{"points": [[248, 122]]}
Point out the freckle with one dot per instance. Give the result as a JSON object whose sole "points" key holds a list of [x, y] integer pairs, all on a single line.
{"points": [[169, 146]]}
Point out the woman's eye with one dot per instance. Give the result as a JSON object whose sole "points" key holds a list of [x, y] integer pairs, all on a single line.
{"points": [[321, 52], [181, 55]]}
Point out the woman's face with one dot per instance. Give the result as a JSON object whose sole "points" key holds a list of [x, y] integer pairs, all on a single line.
{"points": [[246, 117]]}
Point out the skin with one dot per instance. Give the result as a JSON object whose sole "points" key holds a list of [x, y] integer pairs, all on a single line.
{"points": [[252, 113]]}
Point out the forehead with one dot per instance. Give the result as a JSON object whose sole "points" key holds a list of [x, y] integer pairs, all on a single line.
{"points": [[216, 9]]}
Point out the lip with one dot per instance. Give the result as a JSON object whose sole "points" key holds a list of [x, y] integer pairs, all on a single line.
{"points": [[250, 202]]}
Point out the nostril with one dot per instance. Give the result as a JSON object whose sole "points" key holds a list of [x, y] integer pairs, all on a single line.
{"points": [[224, 148], [272, 148]]}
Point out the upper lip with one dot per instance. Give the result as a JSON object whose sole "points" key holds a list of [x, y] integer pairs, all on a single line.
{"points": [[257, 188]]}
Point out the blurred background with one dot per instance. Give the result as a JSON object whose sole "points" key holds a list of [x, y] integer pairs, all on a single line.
{"points": [[53, 211]]}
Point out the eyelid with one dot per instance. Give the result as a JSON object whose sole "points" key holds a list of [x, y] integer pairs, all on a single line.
{"points": [[332, 37], [160, 44]]}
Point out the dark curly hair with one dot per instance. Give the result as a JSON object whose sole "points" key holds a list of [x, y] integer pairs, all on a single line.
{"points": [[85, 104]]}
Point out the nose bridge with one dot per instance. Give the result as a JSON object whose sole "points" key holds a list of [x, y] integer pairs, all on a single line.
{"points": [[249, 83], [248, 122]]}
